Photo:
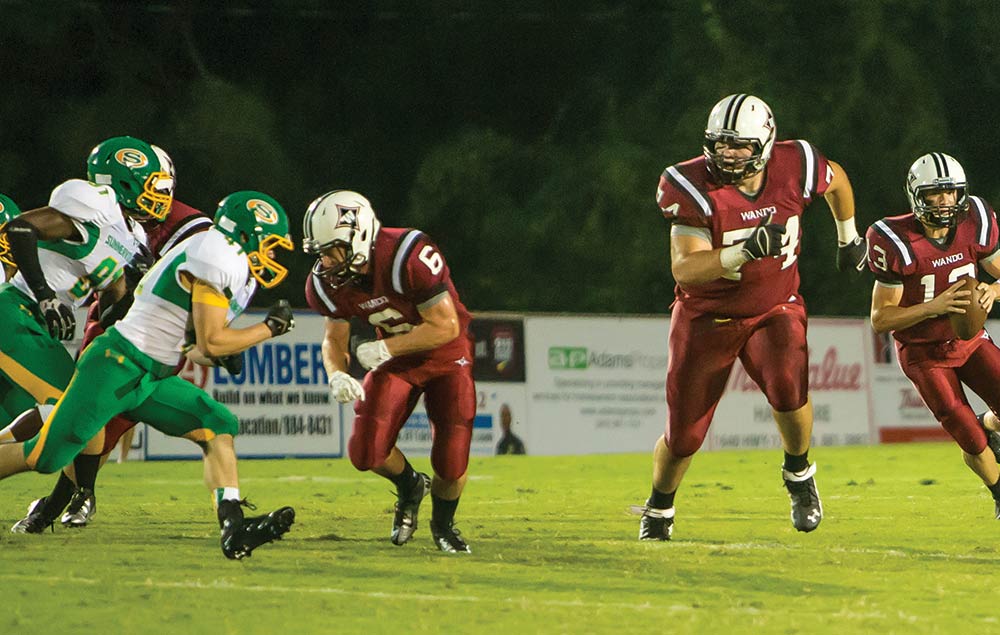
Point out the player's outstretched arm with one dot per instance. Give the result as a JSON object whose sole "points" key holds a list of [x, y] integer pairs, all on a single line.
{"points": [[851, 247], [887, 315], [213, 336]]}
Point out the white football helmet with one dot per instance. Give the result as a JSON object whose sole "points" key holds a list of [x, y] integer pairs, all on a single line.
{"points": [[344, 219], [739, 120], [937, 171]]}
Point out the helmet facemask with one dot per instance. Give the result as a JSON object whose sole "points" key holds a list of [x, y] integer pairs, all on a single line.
{"points": [[156, 198], [941, 216], [729, 170], [268, 271], [346, 265]]}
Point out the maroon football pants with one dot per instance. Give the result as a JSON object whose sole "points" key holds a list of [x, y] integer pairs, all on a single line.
{"points": [[703, 349], [940, 384], [392, 391]]}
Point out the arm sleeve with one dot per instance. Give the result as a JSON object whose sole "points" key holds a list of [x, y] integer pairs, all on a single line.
{"points": [[883, 259], [682, 201], [817, 174], [426, 274]]}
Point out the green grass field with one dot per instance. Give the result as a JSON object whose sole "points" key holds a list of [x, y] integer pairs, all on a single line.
{"points": [[908, 545]]}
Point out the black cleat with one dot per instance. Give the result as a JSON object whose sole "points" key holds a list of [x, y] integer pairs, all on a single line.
{"points": [[655, 524], [992, 437], [807, 510], [996, 509], [404, 523], [240, 536], [81, 509], [449, 539], [35, 522]]}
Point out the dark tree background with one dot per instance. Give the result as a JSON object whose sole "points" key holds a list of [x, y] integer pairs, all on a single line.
{"points": [[526, 138]]}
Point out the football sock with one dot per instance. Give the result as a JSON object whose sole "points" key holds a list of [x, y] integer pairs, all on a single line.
{"points": [[659, 500], [443, 511], [796, 462], [226, 494], [995, 490], [59, 498], [86, 467], [406, 480]]}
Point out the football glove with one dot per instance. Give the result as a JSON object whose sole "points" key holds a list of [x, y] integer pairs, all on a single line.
{"points": [[371, 355], [232, 363], [852, 255], [345, 388], [280, 319], [138, 266], [59, 318], [765, 240]]}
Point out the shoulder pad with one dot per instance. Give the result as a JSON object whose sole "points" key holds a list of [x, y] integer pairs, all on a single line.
{"points": [[86, 202]]}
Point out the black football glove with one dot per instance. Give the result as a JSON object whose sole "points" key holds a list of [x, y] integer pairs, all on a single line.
{"points": [[279, 318], [138, 266], [853, 255], [232, 363], [765, 240], [59, 318]]}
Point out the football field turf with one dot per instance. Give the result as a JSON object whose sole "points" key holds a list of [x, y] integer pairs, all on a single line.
{"points": [[908, 545]]}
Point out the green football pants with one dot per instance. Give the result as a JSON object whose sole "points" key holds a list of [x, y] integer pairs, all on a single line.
{"points": [[34, 366], [113, 377]]}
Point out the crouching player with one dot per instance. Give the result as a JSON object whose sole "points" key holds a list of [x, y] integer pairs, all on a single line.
{"points": [[206, 281], [397, 280]]}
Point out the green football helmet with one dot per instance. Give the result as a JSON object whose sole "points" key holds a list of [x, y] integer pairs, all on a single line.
{"points": [[259, 225], [8, 210], [141, 174]]}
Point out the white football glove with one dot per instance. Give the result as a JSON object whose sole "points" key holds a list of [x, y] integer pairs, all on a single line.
{"points": [[345, 388], [371, 355]]}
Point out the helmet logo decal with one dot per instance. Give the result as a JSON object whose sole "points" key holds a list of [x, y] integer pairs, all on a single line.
{"points": [[132, 158], [263, 211], [2, 208], [348, 216]]}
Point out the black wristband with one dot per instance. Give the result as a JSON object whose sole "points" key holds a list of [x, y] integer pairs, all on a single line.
{"points": [[22, 237]]}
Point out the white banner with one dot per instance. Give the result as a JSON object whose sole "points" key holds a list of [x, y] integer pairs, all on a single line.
{"points": [[595, 384]]}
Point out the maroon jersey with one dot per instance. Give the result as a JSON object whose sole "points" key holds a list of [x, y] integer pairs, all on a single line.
{"points": [[407, 271], [688, 196], [901, 255], [180, 224]]}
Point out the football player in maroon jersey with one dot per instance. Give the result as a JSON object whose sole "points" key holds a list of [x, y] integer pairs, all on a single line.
{"points": [[74, 490], [919, 260], [398, 281], [734, 247]]}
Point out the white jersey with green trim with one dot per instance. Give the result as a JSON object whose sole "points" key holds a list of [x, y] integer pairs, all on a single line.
{"points": [[96, 257], [159, 322]]}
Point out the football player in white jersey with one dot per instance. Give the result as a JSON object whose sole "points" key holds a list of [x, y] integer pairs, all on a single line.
{"points": [[206, 282], [64, 252]]}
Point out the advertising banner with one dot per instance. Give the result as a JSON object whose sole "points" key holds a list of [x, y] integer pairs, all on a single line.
{"points": [[595, 384]]}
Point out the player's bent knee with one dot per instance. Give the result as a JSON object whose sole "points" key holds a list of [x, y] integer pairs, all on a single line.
{"points": [[364, 456]]}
